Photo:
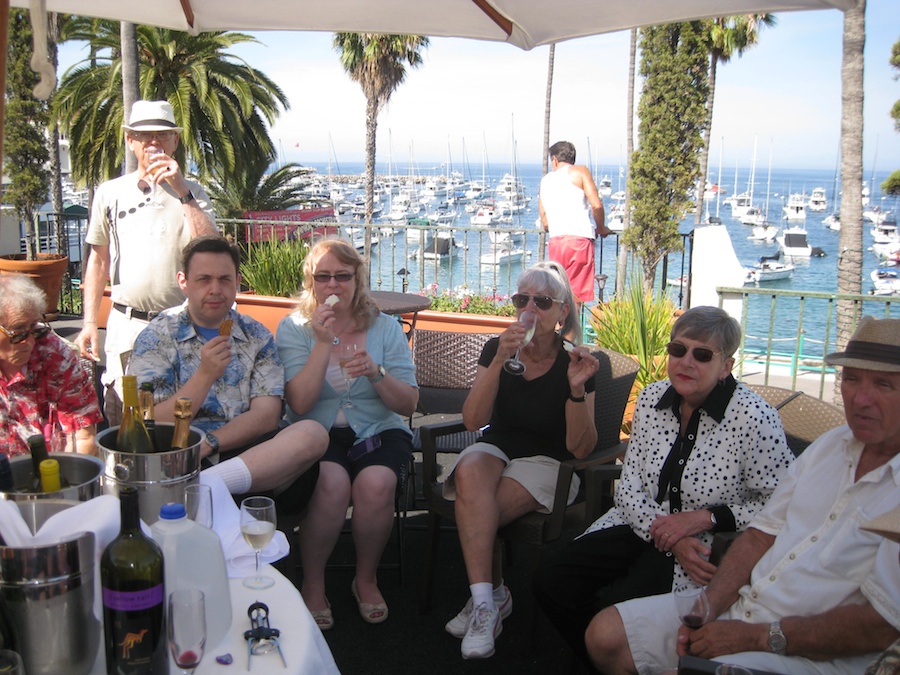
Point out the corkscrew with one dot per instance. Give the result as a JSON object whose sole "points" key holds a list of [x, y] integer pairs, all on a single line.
{"points": [[261, 638]]}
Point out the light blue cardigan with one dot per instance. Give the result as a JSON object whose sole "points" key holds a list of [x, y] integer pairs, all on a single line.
{"points": [[369, 415]]}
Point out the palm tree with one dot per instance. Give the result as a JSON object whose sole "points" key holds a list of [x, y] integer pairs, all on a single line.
{"points": [[851, 247], [223, 104], [728, 35], [550, 59], [622, 264], [258, 190], [378, 63]]}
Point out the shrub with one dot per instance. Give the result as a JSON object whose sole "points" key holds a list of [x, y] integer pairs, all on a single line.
{"points": [[466, 301], [275, 267]]}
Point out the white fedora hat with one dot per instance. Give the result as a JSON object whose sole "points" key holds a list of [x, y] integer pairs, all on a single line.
{"points": [[151, 116], [887, 525]]}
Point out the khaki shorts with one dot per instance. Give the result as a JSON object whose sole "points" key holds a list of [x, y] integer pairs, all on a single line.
{"points": [[537, 474]]}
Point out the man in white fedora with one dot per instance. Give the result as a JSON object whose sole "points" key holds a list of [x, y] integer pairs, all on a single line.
{"points": [[805, 589], [139, 224]]}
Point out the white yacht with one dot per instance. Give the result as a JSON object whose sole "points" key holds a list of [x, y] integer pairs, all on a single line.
{"points": [[794, 243], [795, 209], [817, 200]]}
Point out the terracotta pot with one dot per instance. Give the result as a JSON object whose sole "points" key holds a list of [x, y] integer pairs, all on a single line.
{"points": [[460, 322], [47, 272]]}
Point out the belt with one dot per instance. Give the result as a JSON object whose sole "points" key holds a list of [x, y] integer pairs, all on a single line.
{"points": [[132, 313]]}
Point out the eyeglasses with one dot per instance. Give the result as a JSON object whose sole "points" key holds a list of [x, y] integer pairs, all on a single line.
{"points": [[520, 301], [37, 331], [341, 278], [147, 136], [701, 354]]}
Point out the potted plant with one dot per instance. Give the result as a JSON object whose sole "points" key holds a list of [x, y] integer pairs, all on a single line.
{"points": [[465, 311], [273, 273]]}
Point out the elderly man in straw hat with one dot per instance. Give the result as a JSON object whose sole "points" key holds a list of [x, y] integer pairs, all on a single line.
{"points": [[804, 589], [139, 224], [886, 525]]}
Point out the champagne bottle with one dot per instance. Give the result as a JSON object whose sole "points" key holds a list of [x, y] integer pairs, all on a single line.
{"points": [[6, 478], [38, 454], [134, 597], [133, 436], [183, 414], [50, 480], [145, 398]]}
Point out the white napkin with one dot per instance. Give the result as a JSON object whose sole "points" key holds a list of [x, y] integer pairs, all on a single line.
{"points": [[239, 557]]}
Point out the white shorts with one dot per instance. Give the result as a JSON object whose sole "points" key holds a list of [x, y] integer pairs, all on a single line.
{"points": [[537, 474], [651, 625]]}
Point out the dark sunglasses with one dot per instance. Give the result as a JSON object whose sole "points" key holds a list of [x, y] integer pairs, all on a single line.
{"points": [[701, 354], [520, 301], [341, 278], [38, 331]]}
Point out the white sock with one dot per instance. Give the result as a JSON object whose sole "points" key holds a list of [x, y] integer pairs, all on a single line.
{"points": [[499, 594], [482, 592], [235, 474]]}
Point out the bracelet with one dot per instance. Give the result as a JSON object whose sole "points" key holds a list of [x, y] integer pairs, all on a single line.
{"points": [[577, 399]]}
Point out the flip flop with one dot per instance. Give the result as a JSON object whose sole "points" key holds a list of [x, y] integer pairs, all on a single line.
{"points": [[370, 613]]}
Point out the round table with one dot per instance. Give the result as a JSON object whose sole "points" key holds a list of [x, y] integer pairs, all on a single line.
{"points": [[392, 302]]}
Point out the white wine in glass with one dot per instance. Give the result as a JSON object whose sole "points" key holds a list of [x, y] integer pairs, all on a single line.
{"points": [[348, 353], [156, 189], [529, 320], [258, 520]]}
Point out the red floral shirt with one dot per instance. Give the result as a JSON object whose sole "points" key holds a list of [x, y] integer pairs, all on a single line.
{"points": [[53, 375]]}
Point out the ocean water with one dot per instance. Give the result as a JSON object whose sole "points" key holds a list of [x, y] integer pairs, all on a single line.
{"points": [[392, 255]]}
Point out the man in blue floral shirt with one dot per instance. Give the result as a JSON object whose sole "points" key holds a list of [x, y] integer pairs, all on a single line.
{"points": [[227, 365]]}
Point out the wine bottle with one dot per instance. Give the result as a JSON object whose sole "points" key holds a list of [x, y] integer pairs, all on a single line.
{"points": [[145, 399], [183, 414], [133, 585], [50, 481], [6, 478], [38, 454], [132, 436]]}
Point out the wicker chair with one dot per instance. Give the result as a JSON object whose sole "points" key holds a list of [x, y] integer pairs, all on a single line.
{"points": [[614, 380], [804, 417]]}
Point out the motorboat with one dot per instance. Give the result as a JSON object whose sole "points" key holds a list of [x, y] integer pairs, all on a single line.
{"points": [[604, 186], [764, 232], [740, 204], [769, 269], [615, 219], [817, 200], [753, 216], [795, 209], [886, 281], [885, 233], [832, 221], [505, 254], [794, 243], [876, 215], [440, 246], [485, 214]]}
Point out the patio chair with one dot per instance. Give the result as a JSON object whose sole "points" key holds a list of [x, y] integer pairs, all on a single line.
{"points": [[614, 380], [804, 417]]}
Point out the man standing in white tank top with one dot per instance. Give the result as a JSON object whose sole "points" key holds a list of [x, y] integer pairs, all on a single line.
{"points": [[567, 201]]}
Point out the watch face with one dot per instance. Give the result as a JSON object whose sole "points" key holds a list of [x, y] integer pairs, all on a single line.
{"points": [[777, 642]]}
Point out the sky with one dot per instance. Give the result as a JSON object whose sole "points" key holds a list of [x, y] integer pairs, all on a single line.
{"points": [[474, 101]]}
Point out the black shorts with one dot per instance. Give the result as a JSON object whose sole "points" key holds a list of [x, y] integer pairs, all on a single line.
{"points": [[394, 453]]}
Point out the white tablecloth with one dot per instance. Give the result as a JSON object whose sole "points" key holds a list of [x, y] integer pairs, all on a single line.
{"points": [[304, 647]]}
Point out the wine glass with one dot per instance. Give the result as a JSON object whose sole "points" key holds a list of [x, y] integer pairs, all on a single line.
{"points": [[513, 366], [348, 353], [692, 605], [258, 527], [155, 188], [198, 504], [187, 627]]}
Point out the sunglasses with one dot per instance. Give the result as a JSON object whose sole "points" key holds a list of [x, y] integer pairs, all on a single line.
{"points": [[147, 136], [341, 278], [38, 331], [701, 354], [520, 301]]}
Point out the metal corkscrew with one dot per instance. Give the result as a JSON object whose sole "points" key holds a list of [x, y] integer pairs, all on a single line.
{"points": [[261, 638]]}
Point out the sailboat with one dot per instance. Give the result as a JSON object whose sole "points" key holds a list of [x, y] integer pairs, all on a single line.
{"points": [[764, 230]]}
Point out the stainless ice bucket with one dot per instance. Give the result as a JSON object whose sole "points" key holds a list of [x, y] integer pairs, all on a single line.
{"points": [[159, 477], [47, 601], [81, 472]]}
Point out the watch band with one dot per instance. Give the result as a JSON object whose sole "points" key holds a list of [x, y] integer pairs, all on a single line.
{"points": [[577, 399], [379, 375], [777, 640], [189, 197], [213, 443]]}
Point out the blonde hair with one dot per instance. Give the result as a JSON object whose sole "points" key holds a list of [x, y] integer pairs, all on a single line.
{"points": [[363, 307]]}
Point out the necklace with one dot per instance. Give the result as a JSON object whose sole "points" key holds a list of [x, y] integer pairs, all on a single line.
{"points": [[337, 338]]}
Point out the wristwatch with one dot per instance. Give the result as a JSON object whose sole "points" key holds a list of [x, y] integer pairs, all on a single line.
{"points": [[777, 640], [712, 519], [189, 197], [213, 443], [379, 376], [576, 399]]}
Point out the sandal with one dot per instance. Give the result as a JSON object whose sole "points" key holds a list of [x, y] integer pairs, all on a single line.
{"points": [[323, 618], [370, 613]]}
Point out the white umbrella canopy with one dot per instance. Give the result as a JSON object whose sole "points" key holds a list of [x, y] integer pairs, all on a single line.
{"points": [[524, 23]]}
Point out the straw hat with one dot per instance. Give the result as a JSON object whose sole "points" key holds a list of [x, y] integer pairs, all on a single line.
{"points": [[151, 116], [887, 525], [874, 346]]}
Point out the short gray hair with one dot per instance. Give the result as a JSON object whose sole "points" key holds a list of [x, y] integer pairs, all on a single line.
{"points": [[709, 324], [550, 277], [19, 293]]}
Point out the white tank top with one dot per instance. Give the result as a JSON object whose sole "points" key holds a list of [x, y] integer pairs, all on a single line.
{"points": [[567, 208]]}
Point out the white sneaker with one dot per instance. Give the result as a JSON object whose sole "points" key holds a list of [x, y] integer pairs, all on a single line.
{"points": [[485, 625], [458, 624]]}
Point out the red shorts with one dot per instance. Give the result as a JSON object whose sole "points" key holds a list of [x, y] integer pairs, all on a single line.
{"points": [[576, 255]]}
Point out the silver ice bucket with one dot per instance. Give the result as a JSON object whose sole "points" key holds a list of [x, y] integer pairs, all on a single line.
{"points": [[47, 602], [81, 472], [159, 477]]}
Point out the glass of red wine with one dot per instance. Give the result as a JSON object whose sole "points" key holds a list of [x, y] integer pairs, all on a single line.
{"points": [[692, 605], [187, 627]]}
